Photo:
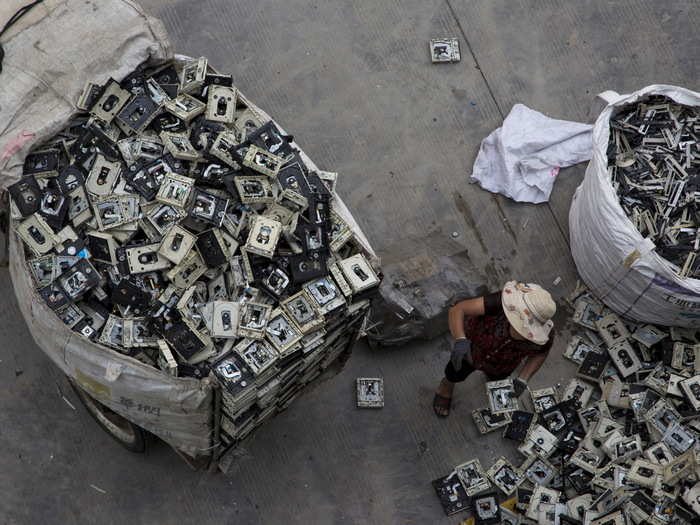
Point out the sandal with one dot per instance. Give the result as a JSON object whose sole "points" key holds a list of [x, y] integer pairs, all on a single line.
{"points": [[441, 403]]}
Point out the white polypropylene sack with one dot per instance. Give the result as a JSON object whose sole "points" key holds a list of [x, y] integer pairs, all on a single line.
{"points": [[521, 159], [615, 261], [49, 56]]}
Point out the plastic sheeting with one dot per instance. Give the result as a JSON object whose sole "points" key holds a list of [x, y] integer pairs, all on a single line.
{"points": [[616, 262], [521, 159], [49, 55]]}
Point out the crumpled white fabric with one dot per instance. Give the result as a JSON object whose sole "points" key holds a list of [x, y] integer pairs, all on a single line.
{"points": [[521, 159]]}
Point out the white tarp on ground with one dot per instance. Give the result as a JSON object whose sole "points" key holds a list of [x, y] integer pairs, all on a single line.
{"points": [[50, 54], [522, 158], [616, 262]]}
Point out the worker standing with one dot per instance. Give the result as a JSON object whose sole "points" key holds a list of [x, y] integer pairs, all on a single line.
{"points": [[494, 334]]}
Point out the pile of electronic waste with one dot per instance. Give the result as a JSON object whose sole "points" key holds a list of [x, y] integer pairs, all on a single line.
{"points": [[654, 165], [618, 445], [172, 222]]}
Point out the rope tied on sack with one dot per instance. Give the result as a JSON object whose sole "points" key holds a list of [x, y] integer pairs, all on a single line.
{"points": [[12, 21]]}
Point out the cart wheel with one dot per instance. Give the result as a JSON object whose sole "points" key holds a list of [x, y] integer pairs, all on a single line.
{"points": [[130, 436]]}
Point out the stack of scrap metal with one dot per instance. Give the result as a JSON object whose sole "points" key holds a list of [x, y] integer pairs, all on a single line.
{"points": [[619, 444], [654, 165], [173, 222]]}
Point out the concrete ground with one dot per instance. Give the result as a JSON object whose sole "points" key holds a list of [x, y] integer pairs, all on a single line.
{"points": [[353, 82]]}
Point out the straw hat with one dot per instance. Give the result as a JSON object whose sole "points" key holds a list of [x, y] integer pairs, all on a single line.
{"points": [[529, 309]]}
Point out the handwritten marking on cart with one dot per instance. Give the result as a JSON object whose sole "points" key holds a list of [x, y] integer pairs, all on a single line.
{"points": [[146, 409]]}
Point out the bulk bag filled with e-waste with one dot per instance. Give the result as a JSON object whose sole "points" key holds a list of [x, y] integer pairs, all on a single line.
{"points": [[619, 264], [196, 172], [49, 56]]}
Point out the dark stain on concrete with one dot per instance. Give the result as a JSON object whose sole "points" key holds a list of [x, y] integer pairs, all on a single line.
{"points": [[463, 254], [504, 219], [466, 213]]}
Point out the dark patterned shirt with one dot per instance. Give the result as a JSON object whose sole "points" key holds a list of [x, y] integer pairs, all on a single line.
{"points": [[494, 351]]}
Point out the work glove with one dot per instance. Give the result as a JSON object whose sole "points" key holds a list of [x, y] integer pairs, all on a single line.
{"points": [[462, 349], [519, 386]]}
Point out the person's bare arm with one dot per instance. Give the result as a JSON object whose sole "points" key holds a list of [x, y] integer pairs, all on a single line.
{"points": [[457, 313], [532, 365]]}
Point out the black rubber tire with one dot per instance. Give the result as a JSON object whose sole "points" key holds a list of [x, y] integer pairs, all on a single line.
{"points": [[132, 437]]}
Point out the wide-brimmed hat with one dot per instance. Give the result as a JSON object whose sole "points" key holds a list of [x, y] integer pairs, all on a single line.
{"points": [[529, 309]]}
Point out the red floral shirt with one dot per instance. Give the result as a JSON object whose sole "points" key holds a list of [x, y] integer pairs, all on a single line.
{"points": [[494, 351]]}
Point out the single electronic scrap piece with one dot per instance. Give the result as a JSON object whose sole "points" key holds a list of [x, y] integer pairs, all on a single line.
{"points": [[254, 189], [578, 391], [175, 190], [370, 392], [166, 359], [179, 146], [36, 234], [26, 195], [302, 310], [185, 107], [649, 335], [257, 355], [225, 319], [587, 312], [577, 349], [111, 101], [644, 473], [543, 398], [253, 320], [325, 294], [612, 330], [193, 75], [262, 161], [486, 421], [501, 396], [359, 273], [540, 496], [538, 470], [684, 356], [625, 358], [472, 476], [79, 279], [486, 509], [264, 236], [452, 496], [444, 50], [691, 389], [282, 332], [221, 104], [539, 442], [519, 426], [505, 476], [146, 258], [176, 244], [593, 366]]}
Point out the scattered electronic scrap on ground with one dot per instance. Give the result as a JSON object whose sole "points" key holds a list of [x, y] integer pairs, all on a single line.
{"points": [[618, 444]]}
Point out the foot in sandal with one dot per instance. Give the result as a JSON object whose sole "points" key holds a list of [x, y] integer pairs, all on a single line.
{"points": [[443, 398]]}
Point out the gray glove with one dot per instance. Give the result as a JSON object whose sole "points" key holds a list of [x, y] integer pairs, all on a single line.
{"points": [[519, 386], [462, 349]]}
